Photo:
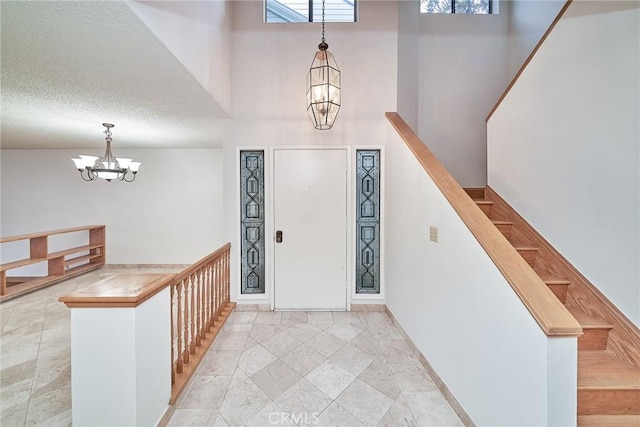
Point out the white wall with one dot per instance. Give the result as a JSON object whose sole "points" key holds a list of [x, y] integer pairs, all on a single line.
{"points": [[463, 71], [408, 63], [528, 21], [170, 214], [198, 34], [461, 312], [563, 146], [270, 63]]}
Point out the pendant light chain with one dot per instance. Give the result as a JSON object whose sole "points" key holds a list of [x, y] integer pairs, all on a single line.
{"points": [[323, 41]]}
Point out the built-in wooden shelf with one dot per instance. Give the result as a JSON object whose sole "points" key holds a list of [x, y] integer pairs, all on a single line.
{"points": [[61, 265]]}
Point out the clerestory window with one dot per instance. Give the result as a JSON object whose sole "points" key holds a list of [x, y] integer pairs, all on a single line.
{"points": [[480, 7], [309, 11]]}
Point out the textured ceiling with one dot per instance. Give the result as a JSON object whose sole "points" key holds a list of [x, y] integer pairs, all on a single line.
{"points": [[69, 66]]}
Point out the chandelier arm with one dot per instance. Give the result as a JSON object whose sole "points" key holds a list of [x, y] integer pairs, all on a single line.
{"points": [[133, 177], [85, 176]]}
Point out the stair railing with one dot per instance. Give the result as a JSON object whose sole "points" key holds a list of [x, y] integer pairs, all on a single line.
{"points": [[200, 305], [552, 317]]}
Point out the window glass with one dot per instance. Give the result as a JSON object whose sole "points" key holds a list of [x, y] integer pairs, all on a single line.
{"points": [[300, 11], [478, 7]]}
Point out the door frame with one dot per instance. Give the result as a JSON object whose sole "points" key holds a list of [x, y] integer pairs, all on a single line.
{"points": [[270, 218]]}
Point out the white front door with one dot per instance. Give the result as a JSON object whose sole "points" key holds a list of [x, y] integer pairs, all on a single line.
{"points": [[310, 212]]}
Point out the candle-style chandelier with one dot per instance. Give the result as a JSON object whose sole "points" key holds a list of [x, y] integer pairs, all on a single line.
{"points": [[107, 167], [323, 86]]}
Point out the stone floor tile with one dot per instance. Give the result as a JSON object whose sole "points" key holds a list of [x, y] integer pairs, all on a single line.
{"points": [[190, 417], [263, 331], [281, 344], [320, 319], [335, 415], [325, 344], [219, 362], [303, 331], [330, 379], [351, 359], [272, 317], [275, 379], [303, 359], [303, 401], [242, 402], [364, 402], [254, 359], [430, 408], [398, 415], [344, 331], [205, 392], [379, 376]]}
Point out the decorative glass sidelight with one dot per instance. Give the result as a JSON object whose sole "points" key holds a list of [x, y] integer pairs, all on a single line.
{"points": [[368, 222], [252, 222]]}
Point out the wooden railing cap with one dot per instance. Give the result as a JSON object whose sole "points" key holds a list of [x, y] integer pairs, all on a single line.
{"points": [[120, 290]]}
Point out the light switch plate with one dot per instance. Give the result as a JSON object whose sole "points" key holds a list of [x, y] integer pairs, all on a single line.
{"points": [[433, 234]]}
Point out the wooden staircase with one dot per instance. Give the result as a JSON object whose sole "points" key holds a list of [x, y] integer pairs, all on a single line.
{"points": [[608, 350]]}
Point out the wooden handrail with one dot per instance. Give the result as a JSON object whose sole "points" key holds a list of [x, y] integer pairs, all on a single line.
{"points": [[200, 304], [546, 309], [529, 58]]}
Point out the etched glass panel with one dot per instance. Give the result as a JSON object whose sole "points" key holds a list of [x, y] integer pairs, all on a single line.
{"points": [[252, 222], [368, 222]]}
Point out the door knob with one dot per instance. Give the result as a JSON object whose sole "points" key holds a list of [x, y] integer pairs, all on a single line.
{"points": [[279, 236]]}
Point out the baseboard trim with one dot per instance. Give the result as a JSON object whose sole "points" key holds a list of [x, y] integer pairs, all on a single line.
{"points": [[252, 307], [455, 405], [367, 307]]}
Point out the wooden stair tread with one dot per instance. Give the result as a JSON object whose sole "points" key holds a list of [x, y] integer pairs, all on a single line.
{"points": [[500, 222], [551, 279], [589, 321], [600, 369], [524, 248], [608, 420], [483, 202]]}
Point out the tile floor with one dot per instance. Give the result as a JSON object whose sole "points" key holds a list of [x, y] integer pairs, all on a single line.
{"points": [[265, 368], [311, 368]]}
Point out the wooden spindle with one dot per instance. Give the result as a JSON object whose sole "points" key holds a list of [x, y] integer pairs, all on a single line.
{"points": [[179, 364]]}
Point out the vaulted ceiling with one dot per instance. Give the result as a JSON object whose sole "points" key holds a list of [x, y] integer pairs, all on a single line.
{"points": [[69, 66]]}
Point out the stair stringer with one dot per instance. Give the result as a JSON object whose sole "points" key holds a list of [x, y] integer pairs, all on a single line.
{"points": [[624, 338]]}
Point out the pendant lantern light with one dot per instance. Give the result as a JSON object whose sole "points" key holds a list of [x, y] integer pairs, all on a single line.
{"points": [[323, 86]]}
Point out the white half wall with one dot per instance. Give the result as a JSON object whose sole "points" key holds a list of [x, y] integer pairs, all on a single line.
{"points": [[461, 312], [171, 214], [564, 146]]}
